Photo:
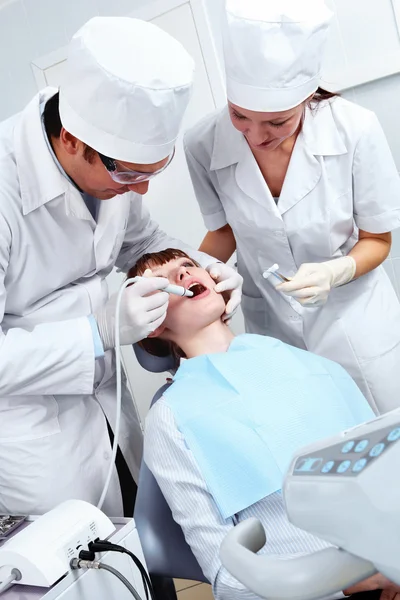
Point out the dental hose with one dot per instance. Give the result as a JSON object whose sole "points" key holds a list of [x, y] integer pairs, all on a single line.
{"points": [[171, 289]]}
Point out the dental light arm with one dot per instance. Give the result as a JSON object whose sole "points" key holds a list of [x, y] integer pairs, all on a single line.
{"points": [[345, 490], [308, 577]]}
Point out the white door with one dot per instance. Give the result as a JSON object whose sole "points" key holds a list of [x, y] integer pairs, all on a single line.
{"points": [[171, 198]]}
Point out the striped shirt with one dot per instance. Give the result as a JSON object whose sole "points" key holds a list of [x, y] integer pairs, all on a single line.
{"points": [[193, 508]]}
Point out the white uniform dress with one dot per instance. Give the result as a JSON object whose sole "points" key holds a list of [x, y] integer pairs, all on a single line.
{"points": [[54, 258], [341, 177]]}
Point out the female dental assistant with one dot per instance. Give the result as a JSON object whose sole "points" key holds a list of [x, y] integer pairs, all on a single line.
{"points": [[290, 174]]}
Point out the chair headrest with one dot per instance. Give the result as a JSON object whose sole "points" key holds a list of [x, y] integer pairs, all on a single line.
{"points": [[154, 364]]}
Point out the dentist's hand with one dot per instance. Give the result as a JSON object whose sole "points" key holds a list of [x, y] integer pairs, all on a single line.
{"points": [[313, 281], [228, 280], [140, 313]]}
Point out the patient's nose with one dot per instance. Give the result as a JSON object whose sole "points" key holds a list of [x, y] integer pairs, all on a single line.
{"points": [[181, 274]]}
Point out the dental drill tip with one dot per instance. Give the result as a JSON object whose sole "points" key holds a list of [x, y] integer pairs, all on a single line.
{"points": [[178, 290]]}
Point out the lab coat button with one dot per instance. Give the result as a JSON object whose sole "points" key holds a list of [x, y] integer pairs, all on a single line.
{"points": [[106, 456]]}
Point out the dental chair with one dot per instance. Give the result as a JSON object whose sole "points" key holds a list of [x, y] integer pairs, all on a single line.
{"points": [[167, 554]]}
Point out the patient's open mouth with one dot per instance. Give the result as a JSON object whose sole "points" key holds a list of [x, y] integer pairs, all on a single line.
{"points": [[198, 290]]}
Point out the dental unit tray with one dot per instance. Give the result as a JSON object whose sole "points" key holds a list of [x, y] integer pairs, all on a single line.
{"points": [[8, 524]]}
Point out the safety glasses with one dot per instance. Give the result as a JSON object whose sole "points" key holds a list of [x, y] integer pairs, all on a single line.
{"points": [[121, 174]]}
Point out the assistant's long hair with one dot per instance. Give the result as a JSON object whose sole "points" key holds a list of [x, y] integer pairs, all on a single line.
{"points": [[320, 95]]}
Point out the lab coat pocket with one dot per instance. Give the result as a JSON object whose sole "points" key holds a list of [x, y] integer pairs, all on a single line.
{"points": [[26, 418], [255, 314]]}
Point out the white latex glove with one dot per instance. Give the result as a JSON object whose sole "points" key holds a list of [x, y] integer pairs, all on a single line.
{"points": [[313, 281], [140, 314], [228, 280]]}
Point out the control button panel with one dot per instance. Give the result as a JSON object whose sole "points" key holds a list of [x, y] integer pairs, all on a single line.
{"points": [[348, 458]]}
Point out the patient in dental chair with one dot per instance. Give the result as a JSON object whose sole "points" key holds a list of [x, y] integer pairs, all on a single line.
{"points": [[220, 439]]}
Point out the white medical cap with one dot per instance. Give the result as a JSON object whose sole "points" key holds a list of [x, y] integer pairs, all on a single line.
{"points": [[126, 89], [273, 51]]}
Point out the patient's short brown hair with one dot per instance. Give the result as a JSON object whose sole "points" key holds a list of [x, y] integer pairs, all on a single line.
{"points": [[155, 346]]}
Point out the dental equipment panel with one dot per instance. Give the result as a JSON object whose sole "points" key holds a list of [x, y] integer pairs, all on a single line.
{"points": [[344, 490], [42, 552], [43, 548]]}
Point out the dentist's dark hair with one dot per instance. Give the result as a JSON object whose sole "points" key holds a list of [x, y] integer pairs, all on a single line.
{"points": [[53, 125]]}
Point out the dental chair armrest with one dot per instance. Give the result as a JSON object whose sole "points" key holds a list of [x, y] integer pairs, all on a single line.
{"points": [[307, 577]]}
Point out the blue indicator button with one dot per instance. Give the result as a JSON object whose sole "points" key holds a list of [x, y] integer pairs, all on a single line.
{"points": [[394, 435], [359, 465], [361, 446], [377, 450], [308, 464], [348, 447], [342, 468], [328, 466]]}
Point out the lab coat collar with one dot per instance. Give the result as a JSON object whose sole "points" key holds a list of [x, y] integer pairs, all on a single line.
{"points": [[319, 137], [39, 177], [229, 144], [319, 134]]}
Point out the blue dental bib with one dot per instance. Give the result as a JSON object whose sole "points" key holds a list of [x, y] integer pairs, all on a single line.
{"points": [[245, 412]]}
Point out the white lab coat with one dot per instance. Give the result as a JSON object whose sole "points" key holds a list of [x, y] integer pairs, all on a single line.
{"points": [[54, 259], [341, 176]]}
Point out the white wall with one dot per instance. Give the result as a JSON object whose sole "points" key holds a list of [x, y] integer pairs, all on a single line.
{"points": [[33, 28], [364, 31]]}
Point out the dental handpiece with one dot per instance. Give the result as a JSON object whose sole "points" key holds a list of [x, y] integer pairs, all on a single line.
{"points": [[177, 290]]}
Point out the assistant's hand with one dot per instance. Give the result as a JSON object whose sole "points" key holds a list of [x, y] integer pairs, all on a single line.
{"points": [[228, 280], [313, 281], [140, 313]]}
